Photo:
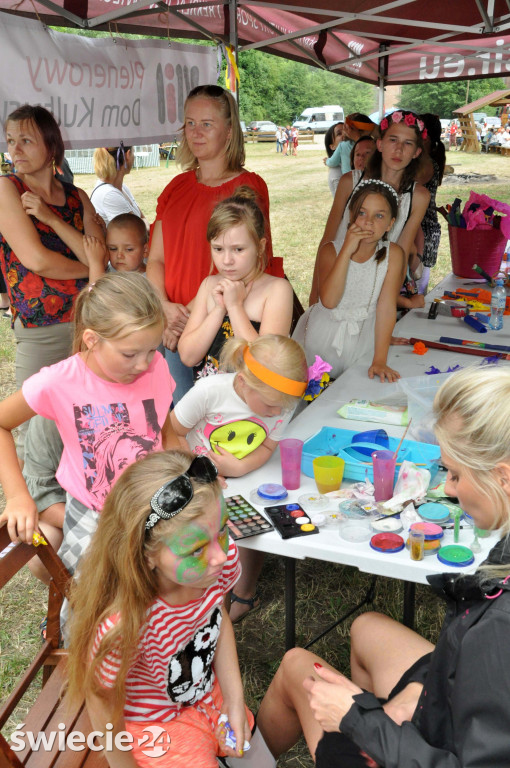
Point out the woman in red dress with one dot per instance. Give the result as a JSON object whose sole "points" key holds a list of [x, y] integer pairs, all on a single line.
{"points": [[212, 155]]}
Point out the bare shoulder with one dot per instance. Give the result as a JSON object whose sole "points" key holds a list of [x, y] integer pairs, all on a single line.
{"points": [[210, 282], [83, 196], [274, 286], [421, 194], [8, 189], [396, 257], [395, 251]]}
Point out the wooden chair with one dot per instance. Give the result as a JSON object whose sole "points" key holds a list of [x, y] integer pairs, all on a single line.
{"points": [[47, 712]]}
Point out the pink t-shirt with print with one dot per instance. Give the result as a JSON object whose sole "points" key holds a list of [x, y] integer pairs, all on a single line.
{"points": [[105, 426]]}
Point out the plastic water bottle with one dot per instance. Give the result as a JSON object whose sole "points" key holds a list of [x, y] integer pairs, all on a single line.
{"points": [[498, 303]]}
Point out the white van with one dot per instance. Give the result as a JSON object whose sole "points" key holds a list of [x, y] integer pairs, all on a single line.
{"points": [[320, 118]]}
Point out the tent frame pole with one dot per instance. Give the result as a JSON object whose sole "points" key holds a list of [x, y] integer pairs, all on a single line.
{"points": [[233, 38]]}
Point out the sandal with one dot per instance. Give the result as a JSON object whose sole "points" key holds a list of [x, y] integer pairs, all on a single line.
{"points": [[42, 628], [253, 604]]}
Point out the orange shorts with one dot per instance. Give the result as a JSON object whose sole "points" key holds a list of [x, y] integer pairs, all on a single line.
{"points": [[187, 740]]}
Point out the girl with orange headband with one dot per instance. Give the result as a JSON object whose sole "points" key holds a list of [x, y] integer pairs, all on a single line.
{"points": [[237, 418], [396, 162]]}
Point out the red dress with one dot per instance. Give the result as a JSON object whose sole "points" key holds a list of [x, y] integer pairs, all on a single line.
{"points": [[184, 209]]}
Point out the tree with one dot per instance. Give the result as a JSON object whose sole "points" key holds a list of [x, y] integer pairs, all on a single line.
{"points": [[279, 89], [443, 98]]}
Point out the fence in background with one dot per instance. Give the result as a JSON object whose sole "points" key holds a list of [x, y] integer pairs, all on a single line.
{"points": [[80, 160]]}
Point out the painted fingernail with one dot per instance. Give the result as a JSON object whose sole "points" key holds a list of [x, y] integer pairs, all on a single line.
{"points": [[317, 666]]}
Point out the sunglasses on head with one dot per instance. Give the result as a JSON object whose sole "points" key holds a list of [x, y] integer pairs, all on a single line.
{"points": [[207, 90], [175, 495]]}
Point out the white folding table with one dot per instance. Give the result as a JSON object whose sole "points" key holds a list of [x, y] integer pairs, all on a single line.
{"points": [[354, 383]]}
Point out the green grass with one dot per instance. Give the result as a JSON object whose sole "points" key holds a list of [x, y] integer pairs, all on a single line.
{"points": [[300, 203]]}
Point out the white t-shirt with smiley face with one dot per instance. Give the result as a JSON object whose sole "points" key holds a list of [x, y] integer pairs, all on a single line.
{"points": [[216, 415]]}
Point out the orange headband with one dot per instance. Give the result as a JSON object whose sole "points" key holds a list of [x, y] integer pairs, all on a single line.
{"points": [[273, 379], [359, 125]]}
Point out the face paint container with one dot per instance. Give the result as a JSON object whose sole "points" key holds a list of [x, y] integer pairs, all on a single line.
{"points": [[416, 544]]}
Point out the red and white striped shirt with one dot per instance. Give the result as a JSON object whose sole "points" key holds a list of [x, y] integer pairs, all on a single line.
{"points": [[173, 667]]}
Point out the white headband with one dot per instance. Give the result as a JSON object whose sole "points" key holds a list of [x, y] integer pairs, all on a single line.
{"points": [[380, 183]]}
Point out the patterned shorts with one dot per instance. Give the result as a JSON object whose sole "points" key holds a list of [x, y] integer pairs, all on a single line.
{"points": [[191, 741], [80, 524]]}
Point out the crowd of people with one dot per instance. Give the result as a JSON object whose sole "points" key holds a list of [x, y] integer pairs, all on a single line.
{"points": [[287, 140], [149, 370]]}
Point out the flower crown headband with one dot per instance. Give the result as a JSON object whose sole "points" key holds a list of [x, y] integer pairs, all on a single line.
{"points": [[409, 118], [379, 183]]}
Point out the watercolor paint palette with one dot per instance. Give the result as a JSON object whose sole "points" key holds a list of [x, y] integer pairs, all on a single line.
{"points": [[244, 520]]}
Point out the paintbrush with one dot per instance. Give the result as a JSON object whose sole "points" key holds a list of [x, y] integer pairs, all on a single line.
{"points": [[479, 344], [402, 439]]}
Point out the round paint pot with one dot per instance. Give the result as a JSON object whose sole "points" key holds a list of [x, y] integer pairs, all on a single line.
{"points": [[431, 531], [268, 492], [387, 542], [387, 525], [455, 554], [434, 512], [313, 502], [318, 519], [355, 531]]}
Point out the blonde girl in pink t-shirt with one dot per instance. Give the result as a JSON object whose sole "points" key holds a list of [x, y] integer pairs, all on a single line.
{"points": [[110, 401]]}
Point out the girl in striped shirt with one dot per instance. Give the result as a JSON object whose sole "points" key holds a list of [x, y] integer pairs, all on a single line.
{"points": [[151, 645]]}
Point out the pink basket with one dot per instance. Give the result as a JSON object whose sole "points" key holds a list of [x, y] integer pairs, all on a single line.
{"points": [[484, 247]]}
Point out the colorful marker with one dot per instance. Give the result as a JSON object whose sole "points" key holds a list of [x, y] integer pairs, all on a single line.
{"points": [[480, 344]]}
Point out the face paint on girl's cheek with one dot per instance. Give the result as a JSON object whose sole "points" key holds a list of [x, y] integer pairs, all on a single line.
{"points": [[190, 569]]}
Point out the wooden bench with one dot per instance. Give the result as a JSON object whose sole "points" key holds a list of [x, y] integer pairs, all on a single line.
{"points": [[48, 711], [256, 136], [307, 135]]}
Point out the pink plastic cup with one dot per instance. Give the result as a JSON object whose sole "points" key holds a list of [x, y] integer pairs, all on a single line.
{"points": [[290, 455], [384, 474]]}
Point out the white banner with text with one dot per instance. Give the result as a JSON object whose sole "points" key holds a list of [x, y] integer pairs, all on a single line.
{"points": [[100, 90]]}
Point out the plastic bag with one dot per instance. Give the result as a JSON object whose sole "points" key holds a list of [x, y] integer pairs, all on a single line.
{"points": [[476, 219]]}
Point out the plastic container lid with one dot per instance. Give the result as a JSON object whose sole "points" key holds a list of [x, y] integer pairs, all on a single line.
{"points": [[387, 542], [455, 554], [434, 512], [313, 502], [355, 531], [430, 530], [272, 491]]}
